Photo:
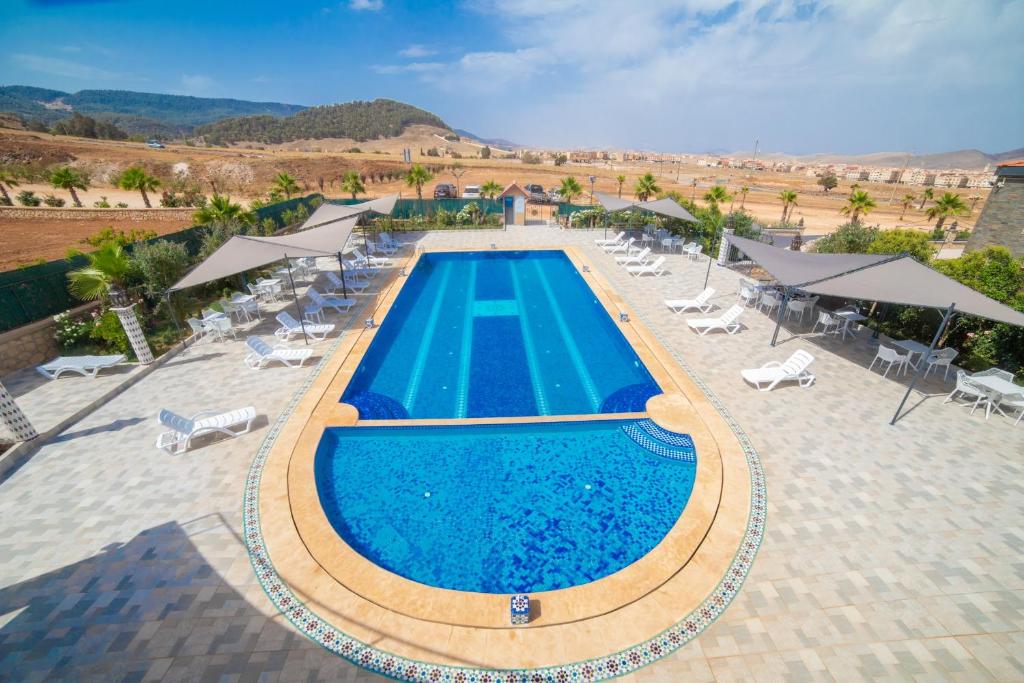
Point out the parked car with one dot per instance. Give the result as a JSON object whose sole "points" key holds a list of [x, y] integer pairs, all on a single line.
{"points": [[536, 193], [471, 192], [445, 191], [154, 144]]}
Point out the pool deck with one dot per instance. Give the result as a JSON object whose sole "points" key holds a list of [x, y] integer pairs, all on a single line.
{"points": [[890, 552]]}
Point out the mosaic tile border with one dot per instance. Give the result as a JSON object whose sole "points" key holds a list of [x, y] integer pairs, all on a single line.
{"points": [[403, 669]]}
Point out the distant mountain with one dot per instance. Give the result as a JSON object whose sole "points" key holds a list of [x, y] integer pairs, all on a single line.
{"points": [[494, 142], [358, 121], [150, 113], [967, 159]]}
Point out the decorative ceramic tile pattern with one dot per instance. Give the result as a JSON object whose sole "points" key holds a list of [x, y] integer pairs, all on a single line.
{"points": [[610, 666], [658, 442]]}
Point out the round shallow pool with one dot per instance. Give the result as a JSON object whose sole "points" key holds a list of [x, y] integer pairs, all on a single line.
{"points": [[505, 508]]}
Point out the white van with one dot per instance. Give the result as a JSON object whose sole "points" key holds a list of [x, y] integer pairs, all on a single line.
{"points": [[471, 192]]}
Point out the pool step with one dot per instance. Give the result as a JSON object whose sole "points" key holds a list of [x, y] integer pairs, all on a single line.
{"points": [[630, 399], [666, 444]]}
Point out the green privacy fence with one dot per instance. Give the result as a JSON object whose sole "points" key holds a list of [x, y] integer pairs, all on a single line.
{"points": [[566, 209], [409, 208]]}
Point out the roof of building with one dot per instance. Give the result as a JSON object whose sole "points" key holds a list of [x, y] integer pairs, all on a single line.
{"points": [[514, 189], [1014, 168]]}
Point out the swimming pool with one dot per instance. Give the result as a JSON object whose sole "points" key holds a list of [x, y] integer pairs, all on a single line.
{"points": [[505, 508], [499, 333]]}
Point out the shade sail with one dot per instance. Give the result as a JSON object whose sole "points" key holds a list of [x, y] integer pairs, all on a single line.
{"points": [[241, 253], [666, 206], [896, 279], [329, 238], [328, 213]]}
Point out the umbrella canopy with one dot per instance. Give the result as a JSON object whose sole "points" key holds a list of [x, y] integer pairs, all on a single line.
{"points": [[241, 253], [329, 213], [666, 206]]}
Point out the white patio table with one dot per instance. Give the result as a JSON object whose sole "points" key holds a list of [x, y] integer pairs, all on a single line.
{"points": [[998, 389], [848, 317], [912, 347]]}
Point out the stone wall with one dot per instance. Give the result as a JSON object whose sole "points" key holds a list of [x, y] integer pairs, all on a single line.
{"points": [[29, 345], [71, 213], [1002, 218]]}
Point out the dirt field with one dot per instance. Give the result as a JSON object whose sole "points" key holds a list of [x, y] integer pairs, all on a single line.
{"points": [[246, 173]]}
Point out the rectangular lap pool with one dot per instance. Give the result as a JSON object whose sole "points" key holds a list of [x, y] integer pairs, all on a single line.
{"points": [[489, 334]]}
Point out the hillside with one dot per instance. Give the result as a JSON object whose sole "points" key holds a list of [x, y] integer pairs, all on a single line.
{"points": [[964, 158], [133, 111], [357, 121]]}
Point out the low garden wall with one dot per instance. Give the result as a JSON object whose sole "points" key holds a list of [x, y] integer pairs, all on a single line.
{"points": [[66, 213]]}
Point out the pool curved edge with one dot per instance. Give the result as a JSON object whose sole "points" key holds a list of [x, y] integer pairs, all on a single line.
{"points": [[686, 591]]}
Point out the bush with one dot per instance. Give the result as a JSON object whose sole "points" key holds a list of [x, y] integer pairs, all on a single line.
{"points": [[121, 238], [51, 200], [109, 333], [269, 226], [913, 242], [29, 198], [70, 332], [850, 238], [102, 203], [159, 265], [121, 205]]}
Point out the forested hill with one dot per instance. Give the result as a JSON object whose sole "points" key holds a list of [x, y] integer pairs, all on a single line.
{"points": [[356, 120], [176, 111]]}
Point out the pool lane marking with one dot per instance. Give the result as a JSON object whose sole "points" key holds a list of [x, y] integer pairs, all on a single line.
{"points": [[536, 379], [416, 376], [465, 351]]}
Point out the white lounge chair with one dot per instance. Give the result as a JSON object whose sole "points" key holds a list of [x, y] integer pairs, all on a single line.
{"points": [[372, 261], [182, 430], [656, 268], [86, 366], [608, 242], [291, 327], [621, 248], [351, 284], [726, 322], [773, 372], [941, 358], [637, 259], [890, 357], [337, 303], [261, 354], [372, 248], [700, 302], [390, 241]]}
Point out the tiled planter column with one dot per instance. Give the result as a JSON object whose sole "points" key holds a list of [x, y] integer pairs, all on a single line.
{"points": [[723, 247], [11, 415], [131, 326]]}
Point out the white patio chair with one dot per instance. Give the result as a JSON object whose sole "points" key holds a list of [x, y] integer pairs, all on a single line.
{"points": [[291, 327], [199, 329], [351, 284], [614, 240], [655, 268], [726, 322], [637, 259], [800, 306], [86, 366], [769, 302], [995, 372], [700, 302], [941, 358], [182, 430], [621, 248], [965, 387], [262, 354], [1015, 402], [337, 303], [773, 372], [693, 252], [249, 307], [829, 323], [890, 357], [220, 327], [749, 294]]}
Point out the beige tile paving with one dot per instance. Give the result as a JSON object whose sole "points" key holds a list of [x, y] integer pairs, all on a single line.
{"points": [[891, 552]]}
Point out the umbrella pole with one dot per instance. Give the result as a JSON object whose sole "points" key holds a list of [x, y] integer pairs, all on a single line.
{"points": [[341, 266], [170, 311], [923, 362], [782, 312], [298, 308], [707, 275]]}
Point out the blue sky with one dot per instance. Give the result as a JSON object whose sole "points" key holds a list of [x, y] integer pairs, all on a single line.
{"points": [[674, 75]]}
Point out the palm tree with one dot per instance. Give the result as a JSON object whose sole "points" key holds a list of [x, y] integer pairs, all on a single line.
{"points": [[621, 180], [70, 179], [570, 189], [907, 202], [743, 196], [417, 177], [926, 197], [716, 195], [788, 198], [859, 202], [136, 178], [221, 208], [8, 179], [490, 189], [286, 185], [948, 205], [352, 183], [646, 187], [104, 276]]}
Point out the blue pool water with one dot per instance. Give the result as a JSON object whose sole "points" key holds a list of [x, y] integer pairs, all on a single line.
{"points": [[505, 508], [498, 333]]}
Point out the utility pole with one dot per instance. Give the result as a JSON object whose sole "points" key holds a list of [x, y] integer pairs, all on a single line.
{"points": [[754, 160], [906, 162]]}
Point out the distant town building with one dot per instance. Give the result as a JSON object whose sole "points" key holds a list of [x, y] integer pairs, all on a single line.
{"points": [[1002, 217]]}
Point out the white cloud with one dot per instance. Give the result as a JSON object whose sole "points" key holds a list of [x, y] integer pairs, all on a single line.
{"points": [[259, 79], [366, 5], [412, 67], [63, 67], [416, 51], [197, 84]]}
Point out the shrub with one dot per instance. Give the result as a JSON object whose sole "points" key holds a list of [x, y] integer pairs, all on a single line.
{"points": [[269, 226], [71, 332], [51, 200], [102, 203], [850, 238], [121, 205], [913, 242], [108, 331], [109, 235], [29, 198], [159, 265]]}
